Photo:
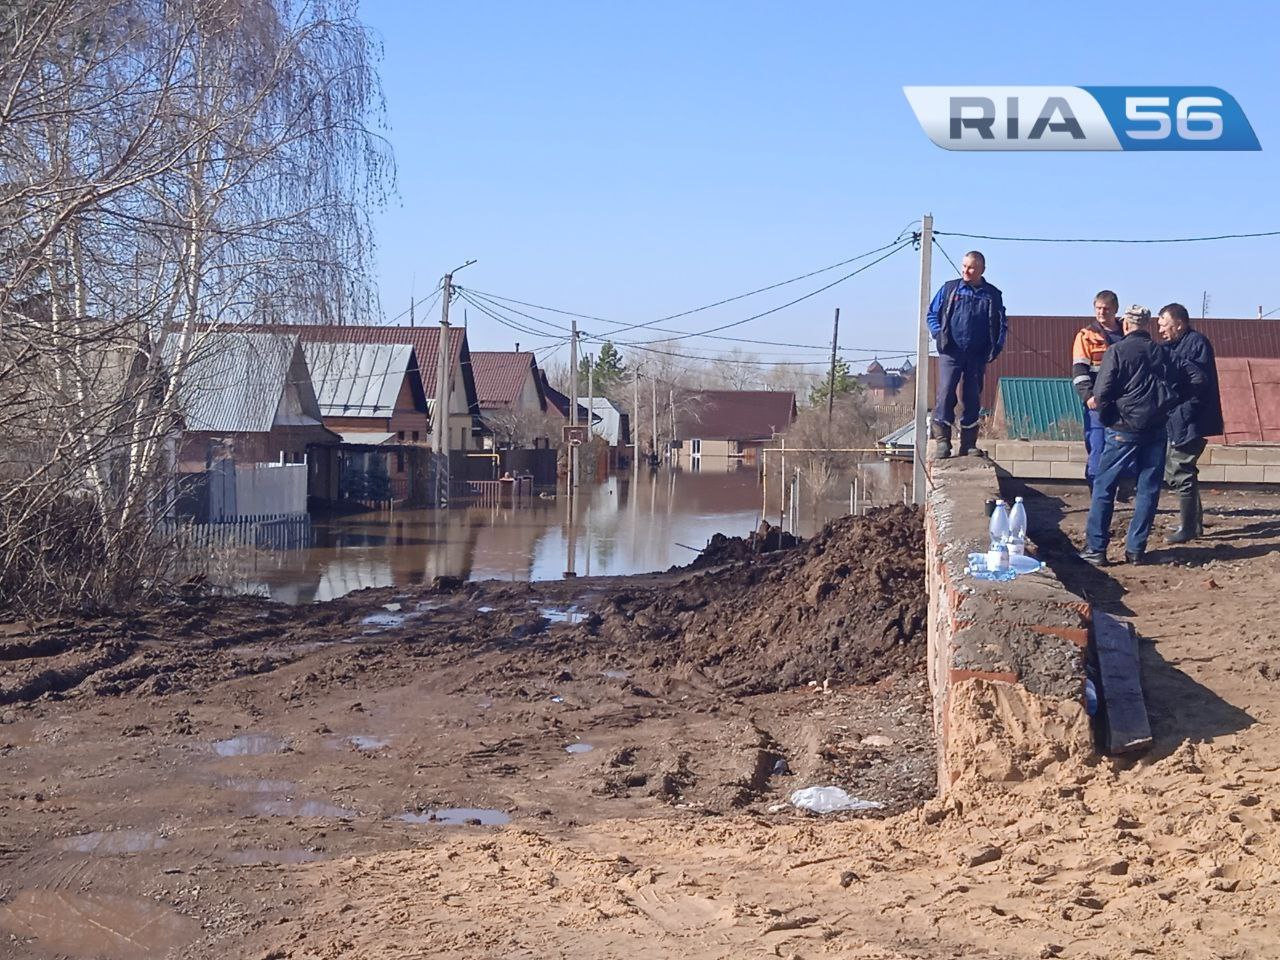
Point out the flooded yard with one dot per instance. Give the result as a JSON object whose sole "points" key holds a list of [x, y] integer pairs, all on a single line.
{"points": [[617, 527]]}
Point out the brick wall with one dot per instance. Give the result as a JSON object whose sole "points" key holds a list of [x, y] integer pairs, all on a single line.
{"points": [[1005, 660], [1064, 459]]}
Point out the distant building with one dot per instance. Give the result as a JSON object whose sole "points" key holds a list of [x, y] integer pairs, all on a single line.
{"points": [[507, 382], [886, 385], [719, 425], [610, 423], [1038, 408], [246, 396]]}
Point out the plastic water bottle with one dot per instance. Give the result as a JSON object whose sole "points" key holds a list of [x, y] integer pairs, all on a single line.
{"points": [[1018, 527], [999, 525]]}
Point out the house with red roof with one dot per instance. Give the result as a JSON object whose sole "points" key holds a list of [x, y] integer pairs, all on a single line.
{"points": [[716, 426]]}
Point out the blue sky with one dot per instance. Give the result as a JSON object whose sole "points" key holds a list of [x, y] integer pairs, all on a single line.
{"points": [[631, 161]]}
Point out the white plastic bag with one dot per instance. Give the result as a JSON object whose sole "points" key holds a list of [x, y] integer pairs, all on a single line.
{"points": [[829, 800]]}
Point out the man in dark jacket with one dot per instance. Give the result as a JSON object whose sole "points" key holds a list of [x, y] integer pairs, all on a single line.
{"points": [[968, 323], [1197, 417], [1138, 384]]}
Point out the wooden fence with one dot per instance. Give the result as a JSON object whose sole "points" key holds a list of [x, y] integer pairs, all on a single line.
{"points": [[265, 532]]}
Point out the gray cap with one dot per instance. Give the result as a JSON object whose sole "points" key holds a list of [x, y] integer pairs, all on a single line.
{"points": [[1138, 315]]}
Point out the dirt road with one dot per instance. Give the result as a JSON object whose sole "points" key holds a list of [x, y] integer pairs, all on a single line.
{"points": [[167, 775], [664, 840]]}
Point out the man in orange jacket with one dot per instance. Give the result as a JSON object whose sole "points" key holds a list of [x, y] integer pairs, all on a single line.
{"points": [[1086, 359]]}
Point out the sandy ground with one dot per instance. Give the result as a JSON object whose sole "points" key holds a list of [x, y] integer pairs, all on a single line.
{"points": [[135, 825]]}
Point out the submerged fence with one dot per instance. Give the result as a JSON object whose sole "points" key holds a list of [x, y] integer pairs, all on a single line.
{"points": [[492, 493], [264, 532]]}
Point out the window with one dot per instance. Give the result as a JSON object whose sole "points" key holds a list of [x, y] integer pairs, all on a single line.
{"points": [[415, 436], [695, 448], [399, 461], [402, 436]]}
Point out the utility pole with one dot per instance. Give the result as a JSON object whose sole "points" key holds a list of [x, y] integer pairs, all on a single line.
{"points": [[591, 395], [635, 423], [440, 418], [573, 401], [831, 380], [411, 303], [922, 359], [671, 403], [1204, 304]]}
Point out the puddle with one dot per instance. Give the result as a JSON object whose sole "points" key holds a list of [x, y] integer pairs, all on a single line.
{"points": [[616, 674], [458, 816], [484, 609], [250, 785], [303, 808], [579, 748], [391, 607], [250, 745], [113, 841], [255, 855], [96, 925], [384, 621], [562, 614], [361, 742]]}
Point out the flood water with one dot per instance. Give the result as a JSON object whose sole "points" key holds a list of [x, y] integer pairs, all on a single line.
{"points": [[618, 526]]}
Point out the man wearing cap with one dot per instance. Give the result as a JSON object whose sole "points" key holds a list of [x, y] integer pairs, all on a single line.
{"points": [[1138, 384], [1087, 349], [968, 323], [1197, 417]]}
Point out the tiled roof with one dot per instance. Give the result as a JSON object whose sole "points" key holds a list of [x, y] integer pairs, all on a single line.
{"points": [[733, 414], [500, 376], [234, 381], [1041, 347], [1040, 408], [358, 379]]}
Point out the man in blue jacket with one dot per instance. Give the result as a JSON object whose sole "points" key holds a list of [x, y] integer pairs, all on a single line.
{"points": [[1196, 417], [968, 323]]}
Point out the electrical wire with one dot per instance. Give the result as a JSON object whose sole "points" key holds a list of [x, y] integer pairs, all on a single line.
{"points": [[434, 295], [509, 323], [1223, 236]]}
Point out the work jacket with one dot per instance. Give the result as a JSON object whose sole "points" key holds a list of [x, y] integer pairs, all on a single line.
{"points": [[1200, 414], [1086, 356], [968, 321], [1139, 383]]}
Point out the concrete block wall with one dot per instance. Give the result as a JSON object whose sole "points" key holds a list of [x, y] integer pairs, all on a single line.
{"points": [[1064, 460], [1005, 660]]}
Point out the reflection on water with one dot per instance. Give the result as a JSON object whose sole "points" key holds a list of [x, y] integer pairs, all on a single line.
{"points": [[619, 526]]}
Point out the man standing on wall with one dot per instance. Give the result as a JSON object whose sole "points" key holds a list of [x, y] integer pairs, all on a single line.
{"points": [[1086, 359], [968, 323], [1196, 417], [1138, 384]]}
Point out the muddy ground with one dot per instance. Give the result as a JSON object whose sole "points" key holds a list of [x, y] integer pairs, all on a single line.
{"points": [[137, 825], [167, 776]]}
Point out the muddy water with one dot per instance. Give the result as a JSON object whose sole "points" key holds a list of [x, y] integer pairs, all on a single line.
{"points": [[619, 526]]}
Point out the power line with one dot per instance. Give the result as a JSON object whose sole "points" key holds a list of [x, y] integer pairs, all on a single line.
{"points": [[1223, 236], [434, 295], [684, 313], [894, 248], [506, 322]]}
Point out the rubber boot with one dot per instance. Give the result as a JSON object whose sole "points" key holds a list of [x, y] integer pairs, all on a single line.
{"points": [[969, 442], [1189, 508], [942, 433]]}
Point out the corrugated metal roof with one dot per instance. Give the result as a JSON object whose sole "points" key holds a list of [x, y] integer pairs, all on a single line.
{"points": [[1041, 347], [358, 379], [1039, 408], [424, 340], [235, 382], [365, 437], [904, 436]]}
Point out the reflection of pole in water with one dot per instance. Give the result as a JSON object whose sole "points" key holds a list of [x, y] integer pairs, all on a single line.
{"points": [[571, 569], [586, 553]]}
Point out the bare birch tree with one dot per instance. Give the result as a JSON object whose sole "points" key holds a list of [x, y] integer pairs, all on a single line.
{"points": [[166, 167]]}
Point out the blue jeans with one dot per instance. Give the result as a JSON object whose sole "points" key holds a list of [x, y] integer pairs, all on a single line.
{"points": [[1123, 452], [966, 373], [1095, 438]]}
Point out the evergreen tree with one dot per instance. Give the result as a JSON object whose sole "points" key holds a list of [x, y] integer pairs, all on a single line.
{"points": [[608, 368], [845, 384]]}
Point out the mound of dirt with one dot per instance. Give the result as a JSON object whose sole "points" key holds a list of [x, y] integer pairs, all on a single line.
{"points": [[848, 605], [722, 550]]}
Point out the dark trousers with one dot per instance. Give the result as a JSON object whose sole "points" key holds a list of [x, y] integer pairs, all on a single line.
{"points": [[1123, 451], [963, 375], [1182, 473]]}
